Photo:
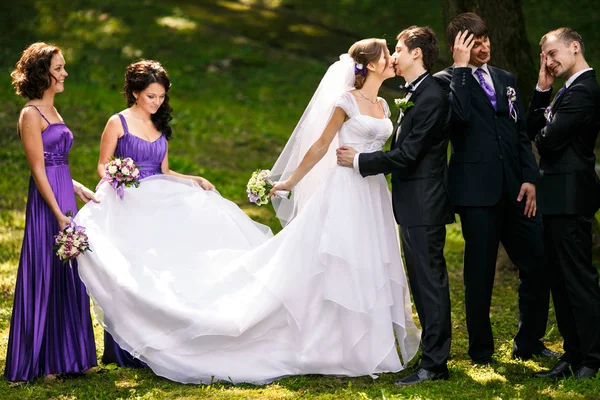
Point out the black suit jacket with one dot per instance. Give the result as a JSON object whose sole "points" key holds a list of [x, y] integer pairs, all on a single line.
{"points": [[418, 160], [569, 183], [488, 146]]}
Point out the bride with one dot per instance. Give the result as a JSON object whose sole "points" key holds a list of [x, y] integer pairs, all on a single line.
{"points": [[186, 284]]}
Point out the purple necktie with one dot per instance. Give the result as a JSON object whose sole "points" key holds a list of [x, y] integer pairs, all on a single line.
{"points": [[560, 93], [486, 88]]}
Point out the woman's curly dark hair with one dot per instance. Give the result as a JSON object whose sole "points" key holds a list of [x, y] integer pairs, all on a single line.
{"points": [[138, 76], [32, 76]]}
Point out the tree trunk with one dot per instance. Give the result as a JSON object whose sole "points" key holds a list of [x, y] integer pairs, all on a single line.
{"points": [[510, 48]]}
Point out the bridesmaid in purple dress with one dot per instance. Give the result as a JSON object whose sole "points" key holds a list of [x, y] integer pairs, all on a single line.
{"points": [[51, 327], [140, 132]]}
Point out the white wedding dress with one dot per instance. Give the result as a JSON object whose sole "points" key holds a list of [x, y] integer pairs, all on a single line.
{"points": [[184, 281]]}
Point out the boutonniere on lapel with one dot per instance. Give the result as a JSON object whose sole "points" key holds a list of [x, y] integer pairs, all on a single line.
{"points": [[548, 114], [403, 104], [512, 102]]}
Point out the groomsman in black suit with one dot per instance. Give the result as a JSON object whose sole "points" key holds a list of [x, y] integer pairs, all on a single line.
{"points": [[565, 133], [492, 176], [418, 164]]}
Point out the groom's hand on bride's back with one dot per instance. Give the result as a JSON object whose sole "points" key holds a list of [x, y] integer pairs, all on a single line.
{"points": [[345, 156]]}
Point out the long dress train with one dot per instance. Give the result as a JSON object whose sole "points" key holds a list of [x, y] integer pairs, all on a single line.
{"points": [[182, 280]]}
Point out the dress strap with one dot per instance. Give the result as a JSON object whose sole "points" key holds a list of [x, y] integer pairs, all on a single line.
{"points": [[124, 123], [38, 110]]}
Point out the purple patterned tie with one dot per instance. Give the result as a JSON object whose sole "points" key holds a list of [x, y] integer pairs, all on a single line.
{"points": [[486, 88], [560, 93]]}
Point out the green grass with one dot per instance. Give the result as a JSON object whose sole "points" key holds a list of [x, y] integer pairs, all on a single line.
{"points": [[241, 79]]}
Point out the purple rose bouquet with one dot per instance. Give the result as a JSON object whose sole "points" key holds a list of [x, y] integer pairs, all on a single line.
{"points": [[120, 173], [71, 241]]}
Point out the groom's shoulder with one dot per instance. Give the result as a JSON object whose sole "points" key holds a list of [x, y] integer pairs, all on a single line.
{"points": [[444, 76]]}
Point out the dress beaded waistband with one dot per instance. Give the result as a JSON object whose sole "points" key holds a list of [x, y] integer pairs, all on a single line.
{"points": [[56, 159]]}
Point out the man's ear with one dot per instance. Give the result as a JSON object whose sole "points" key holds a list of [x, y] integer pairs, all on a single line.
{"points": [[416, 53], [576, 46]]}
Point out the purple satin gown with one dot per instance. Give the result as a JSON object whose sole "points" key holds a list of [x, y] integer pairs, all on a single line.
{"points": [[51, 327], [149, 155]]}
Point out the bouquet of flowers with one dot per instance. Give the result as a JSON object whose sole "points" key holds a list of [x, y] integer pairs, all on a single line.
{"points": [[71, 241], [259, 185], [120, 173]]}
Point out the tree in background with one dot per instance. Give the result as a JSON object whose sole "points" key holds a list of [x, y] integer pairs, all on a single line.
{"points": [[510, 48]]}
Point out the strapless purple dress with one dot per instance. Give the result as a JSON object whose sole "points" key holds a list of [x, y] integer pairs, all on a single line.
{"points": [[51, 327], [149, 155]]}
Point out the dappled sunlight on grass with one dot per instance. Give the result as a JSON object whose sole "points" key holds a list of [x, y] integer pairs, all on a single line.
{"points": [[268, 14], [241, 80], [177, 23], [485, 375], [309, 30], [91, 26], [234, 5], [124, 383], [266, 3], [131, 52]]}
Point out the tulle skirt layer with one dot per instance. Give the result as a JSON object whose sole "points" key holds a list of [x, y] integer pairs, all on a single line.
{"points": [[186, 282]]}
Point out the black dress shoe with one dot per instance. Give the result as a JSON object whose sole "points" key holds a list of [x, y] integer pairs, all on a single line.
{"points": [[585, 372], [561, 369], [485, 362], [421, 375], [544, 352]]}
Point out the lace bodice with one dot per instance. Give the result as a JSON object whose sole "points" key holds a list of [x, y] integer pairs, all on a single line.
{"points": [[363, 132]]}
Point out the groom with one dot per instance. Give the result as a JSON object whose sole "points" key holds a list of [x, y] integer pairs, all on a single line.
{"points": [[417, 162]]}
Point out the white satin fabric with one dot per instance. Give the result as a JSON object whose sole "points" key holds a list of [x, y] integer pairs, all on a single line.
{"points": [[186, 282]]}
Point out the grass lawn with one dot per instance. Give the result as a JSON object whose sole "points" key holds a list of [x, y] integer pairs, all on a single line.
{"points": [[241, 78]]}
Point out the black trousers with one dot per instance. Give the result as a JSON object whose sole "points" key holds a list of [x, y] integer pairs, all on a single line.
{"points": [[483, 229], [423, 249], [574, 284]]}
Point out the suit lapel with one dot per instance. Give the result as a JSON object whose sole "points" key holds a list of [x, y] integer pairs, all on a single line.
{"points": [[424, 83], [396, 127], [581, 77]]}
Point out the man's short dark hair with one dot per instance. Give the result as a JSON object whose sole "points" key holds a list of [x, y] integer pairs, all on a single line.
{"points": [[466, 22], [424, 38]]}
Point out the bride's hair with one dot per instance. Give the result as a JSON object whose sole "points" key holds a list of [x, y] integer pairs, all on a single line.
{"points": [[138, 76], [364, 52]]}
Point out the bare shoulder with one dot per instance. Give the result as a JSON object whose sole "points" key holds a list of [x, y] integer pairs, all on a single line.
{"points": [[114, 126], [29, 119]]}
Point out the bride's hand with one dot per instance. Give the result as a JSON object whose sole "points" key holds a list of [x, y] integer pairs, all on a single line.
{"points": [[85, 194], [283, 185], [205, 183]]}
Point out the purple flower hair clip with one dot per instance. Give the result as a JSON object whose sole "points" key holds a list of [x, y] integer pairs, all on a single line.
{"points": [[360, 69]]}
